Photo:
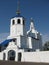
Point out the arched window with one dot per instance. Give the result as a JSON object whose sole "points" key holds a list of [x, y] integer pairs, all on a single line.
{"points": [[23, 22], [18, 21], [13, 22], [11, 55], [0, 48], [4, 56]]}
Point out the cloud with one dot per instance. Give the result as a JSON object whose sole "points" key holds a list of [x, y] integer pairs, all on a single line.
{"points": [[45, 37], [3, 36]]}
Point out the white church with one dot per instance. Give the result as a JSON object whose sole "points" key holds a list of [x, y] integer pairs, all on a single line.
{"points": [[22, 45]]}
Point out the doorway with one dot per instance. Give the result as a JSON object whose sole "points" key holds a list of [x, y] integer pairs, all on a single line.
{"points": [[19, 56], [11, 55]]}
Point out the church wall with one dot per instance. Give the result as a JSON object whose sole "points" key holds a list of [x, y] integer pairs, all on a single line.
{"points": [[23, 42], [29, 42], [38, 56], [18, 41], [40, 40], [16, 30], [1, 56], [41, 43], [35, 44]]}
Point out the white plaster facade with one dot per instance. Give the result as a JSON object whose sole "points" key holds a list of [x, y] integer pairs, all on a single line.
{"points": [[38, 56]]}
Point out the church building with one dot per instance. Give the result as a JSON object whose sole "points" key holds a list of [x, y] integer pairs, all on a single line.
{"points": [[20, 43]]}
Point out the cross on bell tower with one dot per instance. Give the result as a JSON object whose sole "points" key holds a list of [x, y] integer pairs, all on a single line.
{"points": [[18, 7]]}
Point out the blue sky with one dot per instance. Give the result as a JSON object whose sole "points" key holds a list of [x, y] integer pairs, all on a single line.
{"points": [[36, 9]]}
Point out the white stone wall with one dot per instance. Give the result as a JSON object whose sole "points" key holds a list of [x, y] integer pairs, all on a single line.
{"points": [[1, 56], [39, 56]]}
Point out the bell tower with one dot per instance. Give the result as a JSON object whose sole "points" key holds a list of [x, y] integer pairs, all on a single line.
{"points": [[17, 26], [17, 29]]}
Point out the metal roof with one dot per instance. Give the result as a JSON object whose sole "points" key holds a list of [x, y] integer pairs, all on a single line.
{"points": [[5, 42], [18, 15]]}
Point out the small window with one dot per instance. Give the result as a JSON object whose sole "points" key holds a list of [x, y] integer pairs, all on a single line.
{"points": [[18, 21], [28, 50], [23, 22], [19, 56], [14, 40], [4, 56], [0, 48], [13, 22]]}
